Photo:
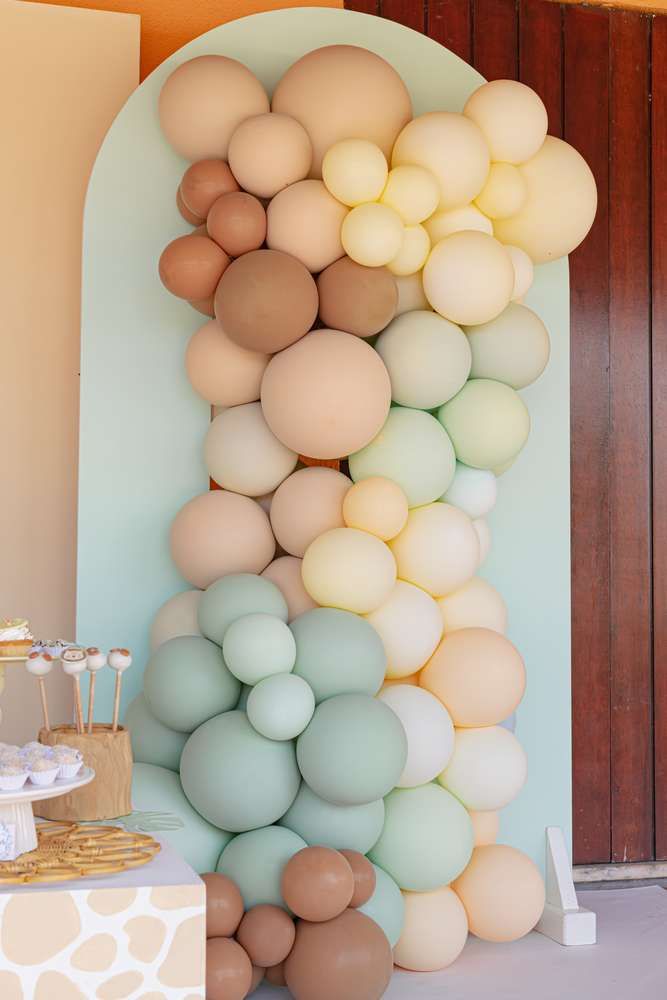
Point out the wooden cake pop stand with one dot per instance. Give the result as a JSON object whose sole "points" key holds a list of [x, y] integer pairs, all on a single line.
{"points": [[16, 807]]}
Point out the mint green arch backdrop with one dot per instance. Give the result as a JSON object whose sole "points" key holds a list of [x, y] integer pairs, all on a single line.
{"points": [[142, 426]]}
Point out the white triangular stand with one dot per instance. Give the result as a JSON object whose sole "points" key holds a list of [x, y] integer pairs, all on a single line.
{"points": [[563, 920]]}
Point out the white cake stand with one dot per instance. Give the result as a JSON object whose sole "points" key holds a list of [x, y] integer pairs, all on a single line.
{"points": [[16, 807]]}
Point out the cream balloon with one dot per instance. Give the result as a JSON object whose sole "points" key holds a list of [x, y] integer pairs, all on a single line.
{"points": [[268, 152], [485, 826], [435, 930], [428, 729], [438, 549], [476, 604], [513, 348], [306, 504], [512, 118], [372, 234], [285, 572], [243, 455], [524, 271], [410, 294], [177, 616], [349, 569], [504, 193], [457, 220], [354, 171], [305, 221], [410, 625], [502, 892], [415, 248], [377, 505], [413, 192], [487, 770], [469, 278], [220, 371], [483, 532], [474, 491]]}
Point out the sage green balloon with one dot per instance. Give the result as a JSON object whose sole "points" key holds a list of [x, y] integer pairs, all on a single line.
{"points": [[257, 646], [187, 682], [161, 808], [280, 707], [386, 906], [153, 742], [236, 778], [354, 750], [322, 824], [512, 348], [338, 652], [243, 697], [427, 838], [233, 597], [414, 450], [488, 423], [255, 861]]}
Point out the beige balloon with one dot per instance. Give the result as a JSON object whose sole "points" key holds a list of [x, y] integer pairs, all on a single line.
{"points": [[268, 152], [305, 221], [438, 548], [307, 504], [476, 604], [410, 294], [513, 348], [435, 930], [485, 826], [512, 118], [443, 224], [469, 278], [502, 892], [285, 572], [243, 455], [504, 193], [483, 532], [524, 271], [220, 371]]}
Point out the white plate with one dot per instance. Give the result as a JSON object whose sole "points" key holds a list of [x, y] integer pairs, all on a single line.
{"points": [[61, 786]]}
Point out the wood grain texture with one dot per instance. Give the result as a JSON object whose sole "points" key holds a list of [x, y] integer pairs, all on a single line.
{"points": [[450, 23], [541, 56], [408, 12], [364, 6], [495, 39]]}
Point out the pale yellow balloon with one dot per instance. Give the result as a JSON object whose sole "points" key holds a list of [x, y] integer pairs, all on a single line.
{"points": [[304, 220], [524, 271], [502, 892], [477, 604], [512, 118], [438, 549], [410, 294], [452, 147], [513, 348], [483, 532], [372, 234], [435, 930], [415, 248], [504, 193], [485, 826], [413, 192], [443, 224], [355, 171], [410, 626], [376, 505], [560, 207], [469, 278], [349, 569]]}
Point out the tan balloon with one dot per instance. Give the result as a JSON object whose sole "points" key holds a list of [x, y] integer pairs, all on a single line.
{"points": [[504, 193], [317, 883], [364, 877], [237, 223], [276, 975], [191, 266], [243, 455], [344, 92], [204, 306], [485, 826], [513, 348], [257, 978], [326, 396], [357, 299], [410, 294], [268, 152], [224, 905], [469, 278], [512, 118], [502, 892], [189, 216], [203, 182], [307, 504], [475, 605], [267, 934], [204, 100], [443, 224], [228, 970], [305, 221], [223, 373], [285, 572]]}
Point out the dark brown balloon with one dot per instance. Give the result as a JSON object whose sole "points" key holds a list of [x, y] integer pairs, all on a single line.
{"points": [[205, 181], [348, 957], [266, 301], [191, 267], [189, 216], [364, 877], [257, 977], [357, 299], [228, 970], [317, 883], [224, 905], [237, 223], [276, 975], [267, 935], [205, 306]]}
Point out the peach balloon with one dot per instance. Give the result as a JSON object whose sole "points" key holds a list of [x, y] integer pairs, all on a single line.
{"points": [[237, 223], [326, 396], [217, 533], [502, 892], [410, 626], [189, 216], [304, 220], [349, 569], [485, 826], [364, 877], [276, 975], [412, 681], [191, 266], [307, 504], [223, 373], [434, 932], [203, 183], [257, 978], [204, 100], [268, 152], [438, 549], [285, 572], [512, 118], [478, 675], [411, 296], [457, 220], [204, 306], [376, 505], [469, 278], [243, 455], [504, 193], [477, 604]]}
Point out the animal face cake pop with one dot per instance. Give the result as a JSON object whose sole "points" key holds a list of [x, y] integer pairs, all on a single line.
{"points": [[74, 663]]}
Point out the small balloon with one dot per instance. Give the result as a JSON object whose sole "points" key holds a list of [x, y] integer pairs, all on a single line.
{"points": [[224, 905], [318, 884], [364, 877], [228, 970], [267, 934], [191, 266], [203, 183], [237, 223]]}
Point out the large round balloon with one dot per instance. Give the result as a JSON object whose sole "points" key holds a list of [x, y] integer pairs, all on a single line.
{"points": [[409, 623], [488, 423], [268, 152], [305, 505], [488, 768], [243, 455], [438, 549], [354, 828], [338, 652], [357, 299], [255, 861], [502, 892], [326, 396], [477, 604], [152, 741], [512, 118], [237, 778], [512, 348], [386, 906], [472, 490], [223, 373], [235, 596], [353, 751], [177, 616], [435, 930], [428, 729], [304, 220], [285, 572], [468, 278], [349, 569], [187, 682]]}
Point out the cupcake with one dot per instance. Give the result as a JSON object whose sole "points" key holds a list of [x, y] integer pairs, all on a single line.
{"points": [[16, 639], [13, 776], [43, 771], [69, 762]]}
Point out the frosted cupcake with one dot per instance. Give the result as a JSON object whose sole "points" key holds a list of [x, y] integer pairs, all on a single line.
{"points": [[43, 771], [15, 637], [13, 776], [68, 760]]}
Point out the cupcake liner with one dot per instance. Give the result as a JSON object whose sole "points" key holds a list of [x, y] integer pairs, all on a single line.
{"points": [[44, 778], [69, 771], [12, 782]]}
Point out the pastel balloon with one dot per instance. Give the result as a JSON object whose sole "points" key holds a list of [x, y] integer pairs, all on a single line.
{"points": [[512, 118], [502, 892], [327, 372], [409, 623], [243, 455], [317, 884], [354, 171], [255, 862], [413, 192], [204, 100], [488, 423], [152, 741], [376, 505], [257, 978], [427, 357], [410, 293], [485, 827], [438, 549], [357, 299], [481, 526], [474, 605], [474, 491], [305, 220], [204, 306], [372, 234], [345, 730], [386, 906], [267, 934], [412, 679], [524, 271], [456, 220], [488, 768], [428, 729], [281, 706], [217, 533], [504, 193], [306, 504], [321, 822], [333, 77], [469, 278], [258, 646], [412, 451], [235, 596], [220, 371], [224, 905], [237, 223], [415, 248], [203, 183], [348, 569], [191, 266], [452, 148], [228, 970], [285, 572], [177, 616], [435, 930], [276, 975], [338, 653], [268, 152], [364, 877], [185, 212], [513, 348]]}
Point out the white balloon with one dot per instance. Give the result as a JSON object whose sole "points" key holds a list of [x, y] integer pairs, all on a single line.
{"points": [[473, 490], [410, 626], [177, 616], [429, 731], [487, 769]]}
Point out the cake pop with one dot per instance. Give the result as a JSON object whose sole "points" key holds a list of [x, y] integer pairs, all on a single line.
{"points": [[95, 660], [39, 665], [119, 660], [74, 663]]}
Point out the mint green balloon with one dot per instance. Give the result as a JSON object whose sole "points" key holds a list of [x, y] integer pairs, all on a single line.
{"points": [[414, 450], [236, 778], [258, 645], [427, 838], [354, 750], [186, 682], [161, 808], [338, 652], [322, 824], [256, 860], [386, 906], [488, 423], [234, 596], [243, 697], [153, 742], [280, 707]]}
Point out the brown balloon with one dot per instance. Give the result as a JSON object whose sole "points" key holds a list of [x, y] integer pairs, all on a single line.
{"points": [[364, 877], [317, 883], [228, 970], [257, 977], [276, 975], [203, 183], [357, 299], [237, 223], [205, 306], [348, 957], [224, 905], [191, 267], [189, 216], [267, 934], [266, 301]]}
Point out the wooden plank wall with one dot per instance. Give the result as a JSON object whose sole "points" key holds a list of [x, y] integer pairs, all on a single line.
{"points": [[596, 70]]}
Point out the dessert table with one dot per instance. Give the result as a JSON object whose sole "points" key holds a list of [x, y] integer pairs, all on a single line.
{"points": [[16, 807]]}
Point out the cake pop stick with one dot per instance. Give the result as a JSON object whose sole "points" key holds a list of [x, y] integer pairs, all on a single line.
{"points": [[95, 660], [119, 660], [39, 665], [74, 664]]}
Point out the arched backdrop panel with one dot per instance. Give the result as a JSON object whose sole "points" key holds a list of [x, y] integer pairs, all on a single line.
{"points": [[142, 426]]}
